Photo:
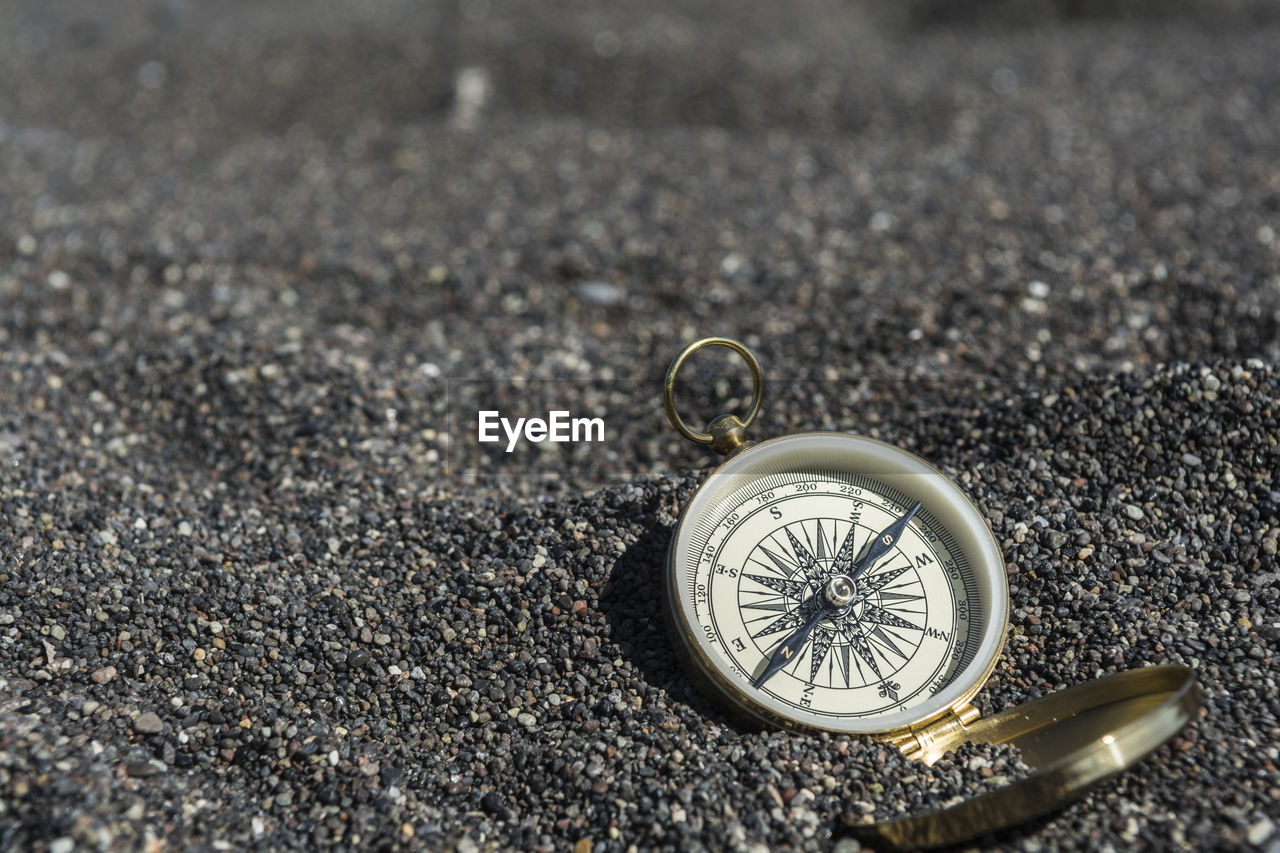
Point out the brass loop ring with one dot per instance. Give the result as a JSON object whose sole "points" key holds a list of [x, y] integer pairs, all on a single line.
{"points": [[669, 385]]}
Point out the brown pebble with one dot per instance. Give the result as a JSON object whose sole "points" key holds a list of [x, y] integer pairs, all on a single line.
{"points": [[139, 769], [148, 724], [103, 675]]}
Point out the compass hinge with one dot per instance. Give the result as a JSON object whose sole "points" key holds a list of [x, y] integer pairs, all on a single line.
{"points": [[932, 740]]}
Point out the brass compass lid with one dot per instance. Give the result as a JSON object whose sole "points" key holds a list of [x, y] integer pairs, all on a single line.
{"points": [[1073, 740]]}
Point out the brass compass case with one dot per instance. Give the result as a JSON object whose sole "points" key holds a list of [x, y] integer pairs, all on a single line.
{"points": [[804, 557], [833, 470]]}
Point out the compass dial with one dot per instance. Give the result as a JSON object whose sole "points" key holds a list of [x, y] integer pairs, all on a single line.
{"points": [[780, 529]]}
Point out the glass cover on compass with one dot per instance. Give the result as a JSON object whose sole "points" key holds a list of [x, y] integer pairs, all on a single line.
{"points": [[924, 620]]}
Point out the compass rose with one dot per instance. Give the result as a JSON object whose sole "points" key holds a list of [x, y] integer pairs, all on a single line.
{"points": [[855, 634]]}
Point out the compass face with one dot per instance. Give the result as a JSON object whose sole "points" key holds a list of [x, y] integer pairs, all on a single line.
{"points": [[783, 537]]}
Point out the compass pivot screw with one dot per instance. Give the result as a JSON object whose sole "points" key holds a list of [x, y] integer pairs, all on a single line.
{"points": [[839, 591]]}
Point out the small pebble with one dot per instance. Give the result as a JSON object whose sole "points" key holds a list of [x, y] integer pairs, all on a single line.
{"points": [[599, 292], [148, 724], [140, 769], [1260, 831]]}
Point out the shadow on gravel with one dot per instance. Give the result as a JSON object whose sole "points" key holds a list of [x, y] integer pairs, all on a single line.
{"points": [[631, 602], [633, 606]]}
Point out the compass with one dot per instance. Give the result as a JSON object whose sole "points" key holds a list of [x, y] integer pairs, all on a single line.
{"points": [[836, 583], [831, 582]]}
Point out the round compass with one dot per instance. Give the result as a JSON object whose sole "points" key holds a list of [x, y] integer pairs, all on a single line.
{"points": [[830, 581]]}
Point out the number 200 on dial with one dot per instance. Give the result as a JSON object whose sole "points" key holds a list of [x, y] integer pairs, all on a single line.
{"points": [[760, 539]]}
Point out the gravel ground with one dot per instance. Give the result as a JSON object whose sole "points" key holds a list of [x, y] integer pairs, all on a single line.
{"points": [[259, 584], [967, 771]]}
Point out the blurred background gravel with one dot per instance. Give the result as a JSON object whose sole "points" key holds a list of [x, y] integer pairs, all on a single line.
{"points": [[261, 263]]}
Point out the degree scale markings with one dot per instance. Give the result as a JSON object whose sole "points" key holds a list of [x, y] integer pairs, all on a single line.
{"points": [[779, 576]]}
